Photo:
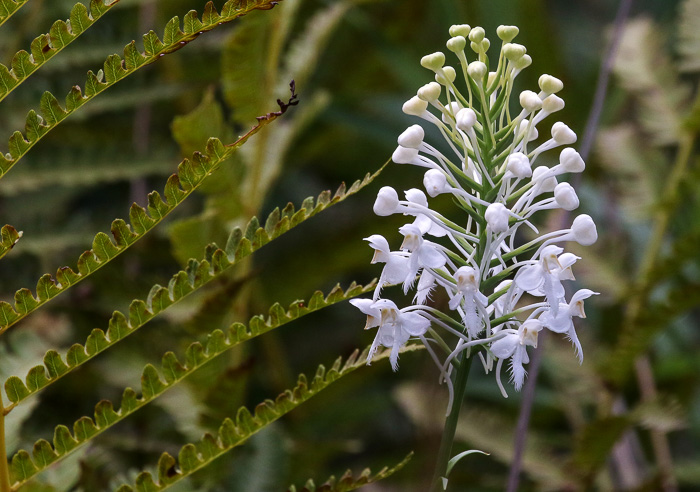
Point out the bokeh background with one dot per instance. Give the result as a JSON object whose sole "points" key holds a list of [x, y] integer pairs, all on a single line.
{"points": [[627, 419]]}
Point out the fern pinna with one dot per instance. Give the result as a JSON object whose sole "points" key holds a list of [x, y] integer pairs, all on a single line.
{"points": [[24, 469]]}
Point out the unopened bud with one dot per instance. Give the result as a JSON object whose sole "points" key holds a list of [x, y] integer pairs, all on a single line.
{"points": [[496, 216], [566, 197], [523, 63], [415, 106], [507, 33], [447, 76], [585, 232], [435, 182], [519, 165], [549, 84], [414, 195], [430, 92], [548, 183], [456, 44], [477, 34], [477, 70], [434, 61], [571, 161], [460, 30], [450, 114], [530, 101], [514, 51], [552, 103], [562, 134], [466, 119], [412, 137], [404, 155], [387, 201]]}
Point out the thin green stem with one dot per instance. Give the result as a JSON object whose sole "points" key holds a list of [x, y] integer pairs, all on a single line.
{"points": [[4, 468], [448, 434]]}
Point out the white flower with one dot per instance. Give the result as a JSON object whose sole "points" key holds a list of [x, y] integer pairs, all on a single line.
{"points": [[395, 327], [424, 254], [562, 322], [469, 298], [513, 346], [545, 276], [387, 201], [396, 263]]}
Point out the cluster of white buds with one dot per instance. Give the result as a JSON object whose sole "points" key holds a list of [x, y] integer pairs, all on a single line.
{"points": [[501, 293]]}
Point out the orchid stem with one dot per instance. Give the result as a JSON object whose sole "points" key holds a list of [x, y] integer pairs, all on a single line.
{"points": [[448, 434]]}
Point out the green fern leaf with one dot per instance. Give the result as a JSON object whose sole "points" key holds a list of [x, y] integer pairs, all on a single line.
{"points": [[233, 433], [8, 238], [347, 482], [155, 382], [8, 8], [191, 174], [115, 68], [196, 274], [45, 46]]}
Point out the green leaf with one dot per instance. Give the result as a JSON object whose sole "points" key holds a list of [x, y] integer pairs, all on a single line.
{"points": [[8, 238], [348, 482], [60, 35], [9, 7], [185, 281], [173, 371], [104, 249]]}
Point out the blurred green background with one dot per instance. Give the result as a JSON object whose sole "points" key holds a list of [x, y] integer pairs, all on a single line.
{"points": [[355, 63]]}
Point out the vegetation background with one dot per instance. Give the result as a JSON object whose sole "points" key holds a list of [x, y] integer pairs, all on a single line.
{"points": [[354, 63]]}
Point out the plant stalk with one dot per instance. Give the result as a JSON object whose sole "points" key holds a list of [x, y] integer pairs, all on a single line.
{"points": [[4, 468], [448, 433]]}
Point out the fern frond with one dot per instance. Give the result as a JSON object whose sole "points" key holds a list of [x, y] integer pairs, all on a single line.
{"points": [[193, 457], [154, 383], [197, 274], [348, 482], [45, 46], [8, 238], [117, 68], [8, 8], [191, 173]]}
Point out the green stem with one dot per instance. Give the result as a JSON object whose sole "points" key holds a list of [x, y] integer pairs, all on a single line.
{"points": [[448, 434], [4, 468]]}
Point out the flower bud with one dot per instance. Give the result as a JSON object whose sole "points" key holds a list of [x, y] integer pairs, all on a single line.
{"points": [[519, 165], [530, 101], [456, 44], [514, 51], [404, 155], [434, 61], [547, 184], [491, 78], [507, 33], [477, 34], [435, 182], [522, 128], [477, 70], [466, 119], [562, 134], [414, 195], [412, 137], [460, 30], [452, 109], [571, 161], [585, 232], [549, 84], [565, 196], [387, 201], [552, 103], [430, 92], [485, 45], [496, 216], [447, 76], [415, 106], [523, 63]]}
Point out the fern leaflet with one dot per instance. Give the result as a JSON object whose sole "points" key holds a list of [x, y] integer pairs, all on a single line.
{"points": [[116, 68], [217, 260], [348, 482], [45, 46], [8, 238], [191, 173], [8, 8], [154, 382]]}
